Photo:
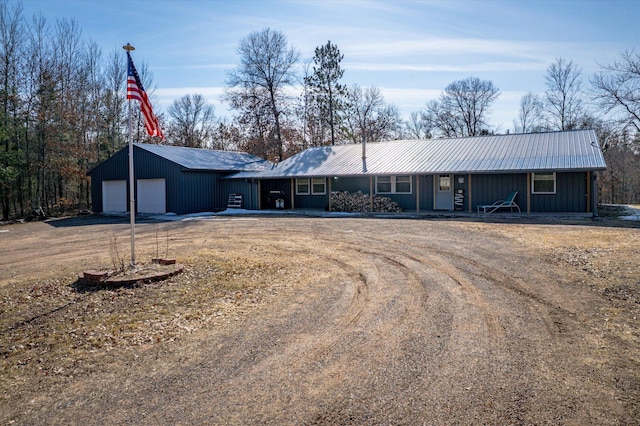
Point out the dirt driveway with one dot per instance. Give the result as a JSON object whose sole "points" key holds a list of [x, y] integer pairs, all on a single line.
{"points": [[297, 320]]}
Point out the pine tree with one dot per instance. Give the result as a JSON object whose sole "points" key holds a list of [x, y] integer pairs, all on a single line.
{"points": [[325, 86]]}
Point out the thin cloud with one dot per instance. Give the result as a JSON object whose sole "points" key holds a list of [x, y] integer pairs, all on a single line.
{"points": [[183, 67], [456, 46], [474, 67], [172, 92]]}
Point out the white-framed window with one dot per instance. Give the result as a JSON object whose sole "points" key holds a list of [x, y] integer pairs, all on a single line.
{"points": [[318, 186], [313, 186], [543, 183], [393, 184], [383, 184], [302, 186], [403, 184]]}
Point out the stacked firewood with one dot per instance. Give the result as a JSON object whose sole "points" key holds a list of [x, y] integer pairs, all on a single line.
{"points": [[344, 201]]}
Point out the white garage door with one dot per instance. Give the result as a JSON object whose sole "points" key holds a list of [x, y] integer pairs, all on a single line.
{"points": [[152, 196], [114, 196]]}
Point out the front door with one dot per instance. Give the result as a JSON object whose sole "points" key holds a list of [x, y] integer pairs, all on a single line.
{"points": [[444, 192]]}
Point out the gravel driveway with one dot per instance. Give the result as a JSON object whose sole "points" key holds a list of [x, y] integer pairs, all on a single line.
{"points": [[387, 322]]}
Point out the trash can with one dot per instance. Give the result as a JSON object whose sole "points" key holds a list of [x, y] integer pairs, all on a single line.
{"points": [[276, 199]]}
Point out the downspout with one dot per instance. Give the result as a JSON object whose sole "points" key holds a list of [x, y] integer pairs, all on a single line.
{"points": [[594, 194], [329, 188], [528, 193], [293, 193], [364, 170], [259, 193], [417, 193], [371, 193], [469, 203], [588, 177]]}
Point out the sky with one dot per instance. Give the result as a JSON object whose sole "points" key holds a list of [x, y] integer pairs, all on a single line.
{"points": [[410, 50]]}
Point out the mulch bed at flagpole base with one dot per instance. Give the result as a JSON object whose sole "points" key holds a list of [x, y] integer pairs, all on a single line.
{"points": [[146, 273]]}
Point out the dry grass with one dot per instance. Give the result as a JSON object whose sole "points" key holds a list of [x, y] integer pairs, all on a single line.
{"points": [[60, 328]]}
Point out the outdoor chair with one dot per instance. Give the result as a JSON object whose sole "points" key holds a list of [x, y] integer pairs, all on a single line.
{"points": [[508, 202]]}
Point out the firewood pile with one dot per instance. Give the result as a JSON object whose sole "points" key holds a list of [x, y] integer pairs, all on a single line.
{"points": [[344, 201]]}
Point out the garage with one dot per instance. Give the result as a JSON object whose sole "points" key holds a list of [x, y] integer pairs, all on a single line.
{"points": [[114, 196], [152, 196], [174, 179]]}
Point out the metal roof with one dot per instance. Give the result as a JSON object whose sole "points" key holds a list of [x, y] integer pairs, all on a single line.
{"points": [[207, 159], [576, 150]]}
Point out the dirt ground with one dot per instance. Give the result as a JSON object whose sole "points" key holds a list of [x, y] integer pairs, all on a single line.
{"points": [[300, 320]]}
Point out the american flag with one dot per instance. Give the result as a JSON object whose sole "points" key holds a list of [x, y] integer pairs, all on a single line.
{"points": [[136, 91]]}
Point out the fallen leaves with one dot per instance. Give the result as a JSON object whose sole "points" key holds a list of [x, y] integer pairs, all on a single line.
{"points": [[56, 328]]}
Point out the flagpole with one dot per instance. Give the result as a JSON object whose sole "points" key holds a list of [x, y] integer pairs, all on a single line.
{"points": [[132, 201]]}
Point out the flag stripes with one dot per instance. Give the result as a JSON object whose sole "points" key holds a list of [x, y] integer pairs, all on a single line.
{"points": [[136, 91]]}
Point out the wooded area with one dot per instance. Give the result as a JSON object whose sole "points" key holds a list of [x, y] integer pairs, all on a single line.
{"points": [[64, 110]]}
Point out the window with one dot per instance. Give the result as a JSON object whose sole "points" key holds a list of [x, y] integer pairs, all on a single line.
{"points": [[315, 186], [444, 183], [393, 185], [318, 186], [302, 186], [383, 184], [403, 184], [544, 183]]}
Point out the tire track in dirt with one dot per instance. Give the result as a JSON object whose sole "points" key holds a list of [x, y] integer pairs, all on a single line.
{"points": [[461, 318], [555, 316], [324, 341], [425, 277], [393, 332], [437, 259]]}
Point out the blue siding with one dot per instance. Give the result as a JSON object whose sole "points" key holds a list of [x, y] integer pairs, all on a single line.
{"points": [[187, 191], [192, 191], [486, 189], [247, 187], [406, 201], [570, 196], [315, 202], [351, 184], [426, 193]]}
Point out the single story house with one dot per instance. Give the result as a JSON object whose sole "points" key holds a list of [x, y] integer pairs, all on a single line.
{"points": [[175, 179], [552, 172]]}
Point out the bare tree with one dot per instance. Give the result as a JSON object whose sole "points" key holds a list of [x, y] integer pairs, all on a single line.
{"points": [[620, 183], [192, 122], [11, 57], [463, 108], [266, 69], [417, 127], [442, 119], [314, 129], [66, 145], [254, 122], [38, 99], [369, 117], [530, 114], [563, 103], [113, 117], [226, 137], [91, 123], [617, 89]]}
